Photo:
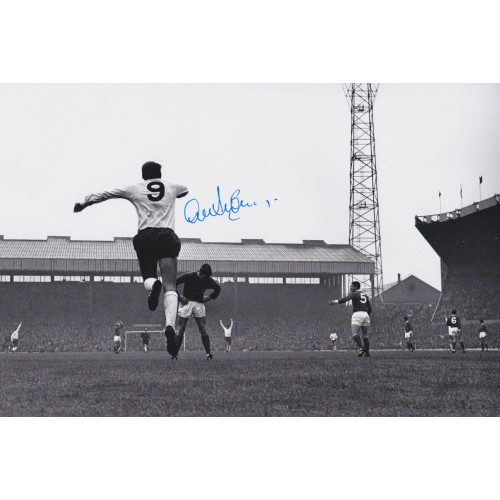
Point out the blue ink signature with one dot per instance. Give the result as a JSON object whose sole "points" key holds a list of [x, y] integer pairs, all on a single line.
{"points": [[193, 213], [192, 207]]}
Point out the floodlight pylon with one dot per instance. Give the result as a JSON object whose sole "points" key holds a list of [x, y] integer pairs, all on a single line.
{"points": [[364, 219]]}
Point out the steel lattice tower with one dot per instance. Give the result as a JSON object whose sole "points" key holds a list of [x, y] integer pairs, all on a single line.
{"points": [[364, 221]]}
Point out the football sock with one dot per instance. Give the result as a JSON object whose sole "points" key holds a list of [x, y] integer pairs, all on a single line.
{"points": [[170, 302], [408, 345], [357, 339], [148, 283], [462, 345], [179, 339], [454, 345], [206, 343], [366, 342]]}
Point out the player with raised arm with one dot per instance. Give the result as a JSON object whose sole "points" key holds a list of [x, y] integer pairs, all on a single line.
{"points": [[117, 338], [227, 334], [14, 339], [361, 310], [192, 303], [483, 335], [156, 241], [408, 331], [455, 331]]}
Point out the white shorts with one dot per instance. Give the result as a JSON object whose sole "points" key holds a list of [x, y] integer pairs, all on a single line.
{"points": [[195, 309], [117, 338], [453, 331], [408, 335], [360, 318]]}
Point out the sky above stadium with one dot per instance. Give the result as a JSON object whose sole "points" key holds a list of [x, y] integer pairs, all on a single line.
{"points": [[285, 147]]}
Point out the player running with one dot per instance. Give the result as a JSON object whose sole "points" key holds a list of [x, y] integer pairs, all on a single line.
{"points": [[408, 331], [14, 339], [192, 303], [156, 241], [455, 331], [361, 310], [227, 334], [483, 335]]}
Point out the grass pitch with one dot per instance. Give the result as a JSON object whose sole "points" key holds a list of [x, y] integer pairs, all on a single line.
{"points": [[323, 383]]}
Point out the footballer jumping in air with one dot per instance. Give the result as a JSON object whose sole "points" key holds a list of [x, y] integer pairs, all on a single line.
{"points": [[361, 310], [156, 242]]}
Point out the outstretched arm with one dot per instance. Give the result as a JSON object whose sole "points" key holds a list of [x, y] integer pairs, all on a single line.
{"points": [[347, 298], [94, 198]]}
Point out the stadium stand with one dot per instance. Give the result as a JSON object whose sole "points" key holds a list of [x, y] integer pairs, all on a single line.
{"points": [[468, 242]]}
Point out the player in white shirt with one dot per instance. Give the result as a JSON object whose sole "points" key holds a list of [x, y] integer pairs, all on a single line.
{"points": [[14, 339], [227, 334], [156, 241], [333, 338]]}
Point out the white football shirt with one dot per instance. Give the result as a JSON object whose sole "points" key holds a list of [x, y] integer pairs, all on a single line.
{"points": [[227, 331], [154, 201], [15, 333]]}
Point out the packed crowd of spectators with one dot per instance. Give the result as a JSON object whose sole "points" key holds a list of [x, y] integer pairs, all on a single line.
{"points": [[473, 291]]}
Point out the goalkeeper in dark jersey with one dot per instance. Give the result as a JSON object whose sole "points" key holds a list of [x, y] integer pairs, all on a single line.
{"points": [[192, 303], [361, 310]]}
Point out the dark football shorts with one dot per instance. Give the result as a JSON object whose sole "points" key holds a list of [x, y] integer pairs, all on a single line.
{"points": [[151, 245]]}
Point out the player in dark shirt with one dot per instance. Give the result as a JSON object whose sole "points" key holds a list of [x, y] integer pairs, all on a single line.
{"points": [[117, 339], [483, 335], [455, 331], [361, 310], [145, 340], [192, 303], [408, 330]]}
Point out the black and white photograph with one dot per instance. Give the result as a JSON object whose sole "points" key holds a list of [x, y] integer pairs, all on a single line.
{"points": [[283, 267], [278, 217]]}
